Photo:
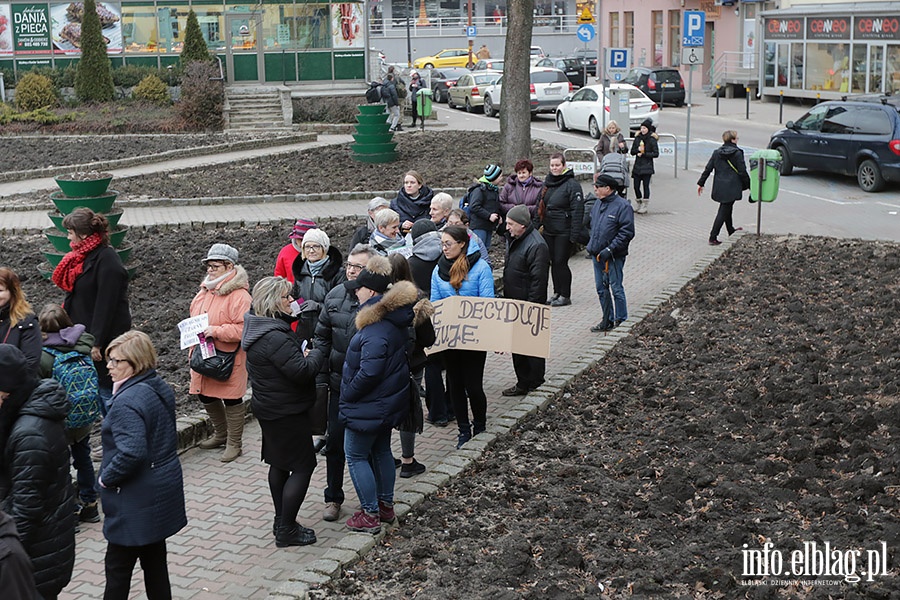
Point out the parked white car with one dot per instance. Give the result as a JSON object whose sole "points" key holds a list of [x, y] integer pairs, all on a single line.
{"points": [[583, 110], [548, 89]]}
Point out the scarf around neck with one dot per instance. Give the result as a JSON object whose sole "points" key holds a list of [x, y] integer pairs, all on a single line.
{"points": [[316, 267], [72, 264]]}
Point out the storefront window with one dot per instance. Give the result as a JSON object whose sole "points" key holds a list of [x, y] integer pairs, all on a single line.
{"points": [[308, 25], [828, 67], [796, 73], [892, 74], [858, 77], [876, 66], [140, 31], [276, 34], [212, 24], [769, 65]]}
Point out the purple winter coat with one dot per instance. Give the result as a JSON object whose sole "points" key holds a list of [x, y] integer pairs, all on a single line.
{"points": [[515, 192]]}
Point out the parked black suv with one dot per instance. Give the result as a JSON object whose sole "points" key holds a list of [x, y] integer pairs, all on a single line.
{"points": [[857, 135], [663, 85]]}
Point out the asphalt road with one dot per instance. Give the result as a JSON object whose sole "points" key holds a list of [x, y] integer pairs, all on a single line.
{"points": [[808, 203]]}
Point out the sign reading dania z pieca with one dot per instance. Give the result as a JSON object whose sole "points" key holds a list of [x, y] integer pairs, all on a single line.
{"points": [[31, 28]]}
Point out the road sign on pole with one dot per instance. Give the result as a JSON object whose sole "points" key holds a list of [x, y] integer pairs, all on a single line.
{"points": [[692, 56], [471, 31], [618, 61], [585, 32], [694, 29]]}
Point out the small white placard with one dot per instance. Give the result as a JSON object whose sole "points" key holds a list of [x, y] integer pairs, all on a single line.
{"points": [[190, 329]]}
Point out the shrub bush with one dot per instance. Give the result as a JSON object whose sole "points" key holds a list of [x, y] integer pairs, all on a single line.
{"points": [[326, 109], [202, 96], [93, 77], [131, 75], [35, 91], [152, 89], [41, 116], [194, 45]]}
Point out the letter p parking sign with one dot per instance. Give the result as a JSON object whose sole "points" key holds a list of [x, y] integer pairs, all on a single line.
{"points": [[694, 29]]}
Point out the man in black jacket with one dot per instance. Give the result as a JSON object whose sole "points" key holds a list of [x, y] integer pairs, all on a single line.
{"points": [[525, 278], [334, 331]]}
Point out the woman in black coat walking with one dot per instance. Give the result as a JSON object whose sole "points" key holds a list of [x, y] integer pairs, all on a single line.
{"points": [[645, 149], [34, 470], [729, 183], [561, 212], [283, 378]]}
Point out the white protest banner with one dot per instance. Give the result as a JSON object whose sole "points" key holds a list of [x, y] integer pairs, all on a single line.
{"points": [[494, 324], [190, 329]]}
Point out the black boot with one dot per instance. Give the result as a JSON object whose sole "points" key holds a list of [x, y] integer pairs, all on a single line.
{"points": [[275, 525], [465, 434], [478, 428], [294, 535]]}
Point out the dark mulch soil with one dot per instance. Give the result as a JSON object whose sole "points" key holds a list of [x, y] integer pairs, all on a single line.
{"points": [[22, 153], [761, 404]]}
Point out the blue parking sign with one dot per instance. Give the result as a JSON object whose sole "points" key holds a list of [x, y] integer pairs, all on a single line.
{"points": [[694, 29], [471, 31]]}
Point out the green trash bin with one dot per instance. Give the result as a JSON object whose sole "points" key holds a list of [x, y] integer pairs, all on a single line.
{"points": [[764, 180], [423, 98]]}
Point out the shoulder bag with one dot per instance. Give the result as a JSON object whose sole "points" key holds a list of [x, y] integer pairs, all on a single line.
{"points": [[218, 367]]}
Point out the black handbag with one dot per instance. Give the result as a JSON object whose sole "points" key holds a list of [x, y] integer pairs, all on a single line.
{"points": [[415, 419], [318, 414], [218, 367]]}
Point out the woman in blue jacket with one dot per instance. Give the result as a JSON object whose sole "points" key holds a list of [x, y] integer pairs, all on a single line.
{"points": [[141, 484], [375, 389], [462, 272]]}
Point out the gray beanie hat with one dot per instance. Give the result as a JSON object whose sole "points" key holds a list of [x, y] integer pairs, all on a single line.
{"points": [[520, 214], [222, 252], [317, 236]]}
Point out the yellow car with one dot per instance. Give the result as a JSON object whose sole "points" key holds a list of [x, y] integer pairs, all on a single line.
{"points": [[452, 57]]}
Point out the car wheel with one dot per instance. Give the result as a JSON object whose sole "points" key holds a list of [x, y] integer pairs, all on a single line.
{"points": [[469, 106], [561, 122], [787, 167], [869, 176], [680, 103], [594, 128], [489, 107], [429, 66], [450, 102]]}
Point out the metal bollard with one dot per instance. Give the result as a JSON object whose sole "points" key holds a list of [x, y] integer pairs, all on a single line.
{"points": [[747, 94], [818, 97], [781, 107], [718, 87]]}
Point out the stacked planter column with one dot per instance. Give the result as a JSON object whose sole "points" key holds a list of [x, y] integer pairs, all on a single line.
{"points": [[88, 193], [373, 136]]}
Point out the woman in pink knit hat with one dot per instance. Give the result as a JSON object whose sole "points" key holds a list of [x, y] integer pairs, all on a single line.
{"points": [[290, 252]]}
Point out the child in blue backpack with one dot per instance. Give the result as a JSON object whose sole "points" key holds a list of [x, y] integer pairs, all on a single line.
{"points": [[67, 357]]}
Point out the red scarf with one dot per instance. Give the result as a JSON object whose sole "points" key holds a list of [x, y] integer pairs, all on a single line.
{"points": [[72, 264]]}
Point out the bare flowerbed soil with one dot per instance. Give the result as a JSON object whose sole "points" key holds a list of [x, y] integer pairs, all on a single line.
{"points": [[760, 405]]}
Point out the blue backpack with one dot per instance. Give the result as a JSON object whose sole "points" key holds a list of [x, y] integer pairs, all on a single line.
{"points": [[76, 373], [464, 201]]}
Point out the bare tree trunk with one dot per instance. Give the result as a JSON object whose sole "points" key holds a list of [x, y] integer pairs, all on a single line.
{"points": [[515, 114]]}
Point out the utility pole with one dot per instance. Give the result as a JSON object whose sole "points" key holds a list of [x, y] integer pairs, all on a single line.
{"points": [[408, 38], [471, 41]]}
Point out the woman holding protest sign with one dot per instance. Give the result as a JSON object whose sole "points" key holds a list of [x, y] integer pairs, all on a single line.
{"points": [[462, 272]]}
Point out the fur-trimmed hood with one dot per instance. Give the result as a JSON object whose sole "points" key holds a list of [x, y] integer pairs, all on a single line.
{"points": [[395, 305], [422, 311], [240, 280]]}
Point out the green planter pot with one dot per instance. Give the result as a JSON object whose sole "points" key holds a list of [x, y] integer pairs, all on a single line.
{"points": [[371, 119], [87, 188], [59, 240], [371, 109], [375, 158], [117, 237], [125, 252], [374, 148], [54, 257], [377, 138], [378, 129], [112, 216], [98, 204]]}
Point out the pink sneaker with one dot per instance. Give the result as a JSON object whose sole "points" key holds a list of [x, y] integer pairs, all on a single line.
{"points": [[386, 512], [364, 522]]}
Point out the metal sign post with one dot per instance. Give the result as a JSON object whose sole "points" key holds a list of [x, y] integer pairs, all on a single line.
{"points": [[692, 41]]}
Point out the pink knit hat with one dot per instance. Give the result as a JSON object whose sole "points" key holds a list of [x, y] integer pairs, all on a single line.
{"points": [[301, 227]]}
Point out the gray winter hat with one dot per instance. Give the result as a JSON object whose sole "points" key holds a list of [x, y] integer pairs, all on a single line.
{"points": [[222, 252], [520, 214]]}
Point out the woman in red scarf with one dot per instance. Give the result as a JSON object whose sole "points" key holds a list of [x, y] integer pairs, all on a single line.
{"points": [[96, 286]]}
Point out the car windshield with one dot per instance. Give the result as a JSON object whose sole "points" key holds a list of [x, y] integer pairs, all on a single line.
{"points": [[486, 79], [667, 76], [548, 77]]}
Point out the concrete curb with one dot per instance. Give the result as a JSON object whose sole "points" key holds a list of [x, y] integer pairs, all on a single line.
{"points": [[354, 546]]}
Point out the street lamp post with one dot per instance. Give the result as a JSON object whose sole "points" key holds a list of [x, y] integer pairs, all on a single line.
{"points": [[408, 38]]}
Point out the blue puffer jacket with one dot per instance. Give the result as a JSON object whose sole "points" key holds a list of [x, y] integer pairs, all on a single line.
{"points": [[479, 283], [611, 225], [143, 489], [375, 386]]}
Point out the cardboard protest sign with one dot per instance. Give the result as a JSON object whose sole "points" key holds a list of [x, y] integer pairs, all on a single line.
{"points": [[495, 324], [191, 328]]}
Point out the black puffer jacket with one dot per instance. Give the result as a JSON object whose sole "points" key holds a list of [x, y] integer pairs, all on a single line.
{"points": [[283, 380], [335, 329], [731, 178], [484, 200], [527, 267], [313, 288], [24, 335], [16, 579], [563, 205], [36, 477], [643, 165]]}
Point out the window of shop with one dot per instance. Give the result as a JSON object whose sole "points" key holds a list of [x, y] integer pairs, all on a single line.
{"points": [[892, 73], [212, 23], [614, 29], [629, 30], [172, 21], [140, 32], [657, 19], [494, 13], [876, 67], [828, 67], [308, 25], [675, 38], [796, 71]]}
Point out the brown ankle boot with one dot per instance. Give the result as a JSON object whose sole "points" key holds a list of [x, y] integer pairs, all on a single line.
{"points": [[216, 412], [235, 416]]}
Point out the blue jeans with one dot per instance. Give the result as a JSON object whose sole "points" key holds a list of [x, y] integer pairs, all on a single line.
{"points": [[84, 470], [372, 484], [485, 236], [607, 281], [105, 399]]}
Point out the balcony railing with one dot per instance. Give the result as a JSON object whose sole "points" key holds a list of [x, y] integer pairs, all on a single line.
{"points": [[456, 26], [734, 67]]}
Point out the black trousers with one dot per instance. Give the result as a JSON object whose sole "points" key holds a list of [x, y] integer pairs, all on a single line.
{"points": [[529, 371], [120, 561], [465, 374], [436, 398], [560, 250], [334, 451], [640, 180], [723, 217]]}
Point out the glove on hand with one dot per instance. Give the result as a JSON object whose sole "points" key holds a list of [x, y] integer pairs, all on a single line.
{"points": [[605, 254]]}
